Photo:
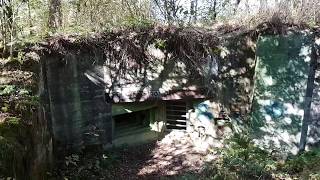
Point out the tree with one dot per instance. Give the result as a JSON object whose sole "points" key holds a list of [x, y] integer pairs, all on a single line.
{"points": [[193, 10], [6, 22], [263, 5], [168, 10], [213, 10], [308, 99], [55, 15]]}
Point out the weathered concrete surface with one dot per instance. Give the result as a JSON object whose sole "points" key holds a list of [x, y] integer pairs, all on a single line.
{"points": [[130, 67], [77, 80], [79, 113], [224, 74], [283, 64]]}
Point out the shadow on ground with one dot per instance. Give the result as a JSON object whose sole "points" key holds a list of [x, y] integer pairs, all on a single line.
{"points": [[172, 157]]}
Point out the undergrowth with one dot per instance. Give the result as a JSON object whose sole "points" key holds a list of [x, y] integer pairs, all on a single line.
{"points": [[17, 107], [241, 159]]}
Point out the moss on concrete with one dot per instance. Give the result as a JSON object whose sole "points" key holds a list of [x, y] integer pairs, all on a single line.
{"points": [[12, 151]]}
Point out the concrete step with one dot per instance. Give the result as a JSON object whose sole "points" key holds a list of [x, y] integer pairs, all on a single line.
{"points": [[130, 131]]}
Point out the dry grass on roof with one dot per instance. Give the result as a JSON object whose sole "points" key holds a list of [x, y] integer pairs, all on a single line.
{"points": [[191, 44], [206, 36], [181, 42], [188, 42]]}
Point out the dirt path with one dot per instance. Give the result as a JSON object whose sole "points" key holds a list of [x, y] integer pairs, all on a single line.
{"points": [[170, 158]]}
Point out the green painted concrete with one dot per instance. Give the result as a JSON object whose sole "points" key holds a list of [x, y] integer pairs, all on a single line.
{"points": [[280, 85]]}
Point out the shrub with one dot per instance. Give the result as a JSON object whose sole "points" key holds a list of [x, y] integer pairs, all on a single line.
{"points": [[241, 159], [307, 161], [247, 160]]}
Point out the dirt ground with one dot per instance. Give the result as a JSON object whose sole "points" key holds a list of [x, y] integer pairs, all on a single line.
{"points": [[173, 157]]}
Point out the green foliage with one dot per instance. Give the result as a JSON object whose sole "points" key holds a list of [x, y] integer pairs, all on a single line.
{"points": [[137, 23], [89, 165], [242, 159], [72, 160], [161, 44], [5, 107], [10, 128], [7, 89], [305, 161], [314, 176]]}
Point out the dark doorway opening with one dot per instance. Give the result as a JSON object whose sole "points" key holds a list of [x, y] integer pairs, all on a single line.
{"points": [[131, 123]]}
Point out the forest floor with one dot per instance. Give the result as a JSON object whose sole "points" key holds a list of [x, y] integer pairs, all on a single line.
{"points": [[173, 157]]}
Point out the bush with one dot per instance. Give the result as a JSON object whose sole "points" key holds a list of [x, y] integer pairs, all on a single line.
{"points": [[134, 23], [242, 159], [305, 162]]}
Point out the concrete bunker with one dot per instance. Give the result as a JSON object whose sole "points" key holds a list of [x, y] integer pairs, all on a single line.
{"points": [[123, 88]]}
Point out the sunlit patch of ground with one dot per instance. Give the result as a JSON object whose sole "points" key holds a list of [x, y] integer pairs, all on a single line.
{"points": [[174, 155]]}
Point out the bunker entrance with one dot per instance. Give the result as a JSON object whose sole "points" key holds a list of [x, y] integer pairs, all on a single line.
{"points": [[131, 123]]}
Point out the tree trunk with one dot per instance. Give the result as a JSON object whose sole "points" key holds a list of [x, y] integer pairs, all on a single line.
{"points": [[308, 99], [215, 10], [236, 6], [263, 6], [7, 26], [55, 15], [195, 10], [30, 19]]}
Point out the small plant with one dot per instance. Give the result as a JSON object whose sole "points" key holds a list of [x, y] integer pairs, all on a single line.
{"points": [[242, 159], [139, 23], [314, 176], [5, 107], [73, 159], [7, 89], [24, 92], [109, 160], [305, 161], [161, 44]]}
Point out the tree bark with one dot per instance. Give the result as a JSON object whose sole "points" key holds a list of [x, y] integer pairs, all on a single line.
{"points": [[263, 6], [215, 10], [55, 15], [30, 19], [308, 99], [236, 6]]}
